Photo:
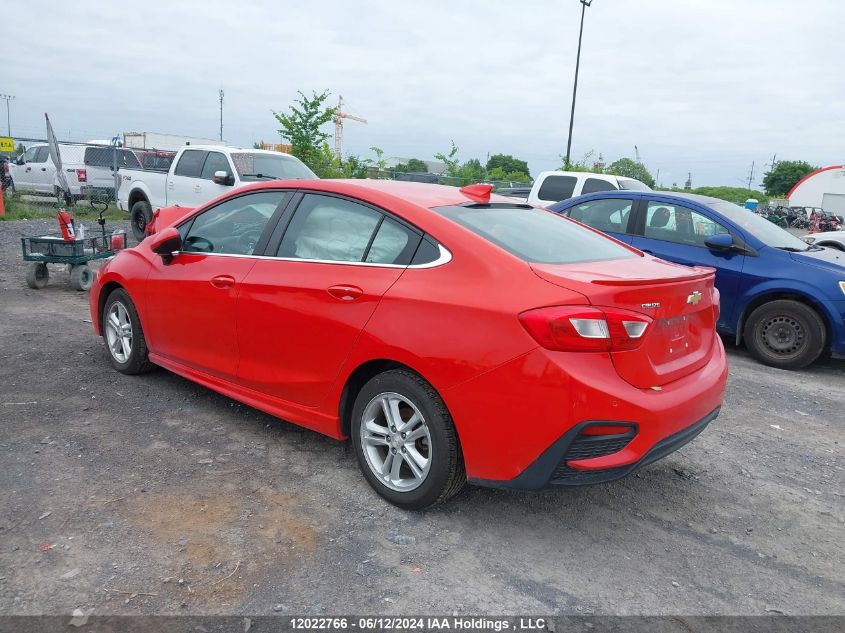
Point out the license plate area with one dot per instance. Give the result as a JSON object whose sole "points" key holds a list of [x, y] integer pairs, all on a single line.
{"points": [[674, 338]]}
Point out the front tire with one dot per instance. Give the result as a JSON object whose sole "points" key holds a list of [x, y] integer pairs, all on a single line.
{"points": [[139, 216], [785, 334], [123, 335], [405, 441]]}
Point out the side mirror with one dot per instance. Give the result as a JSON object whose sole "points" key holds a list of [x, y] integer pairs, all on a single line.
{"points": [[223, 178], [20, 160], [720, 242], [166, 243]]}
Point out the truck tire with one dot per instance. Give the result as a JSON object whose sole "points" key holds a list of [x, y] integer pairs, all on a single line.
{"points": [[37, 276], [139, 216], [81, 277], [785, 334]]}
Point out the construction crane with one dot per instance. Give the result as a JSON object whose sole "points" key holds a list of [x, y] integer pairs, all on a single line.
{"points": [[338, 117]]}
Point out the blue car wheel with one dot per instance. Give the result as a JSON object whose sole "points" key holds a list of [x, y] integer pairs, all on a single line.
{"points": [[785, 334]]}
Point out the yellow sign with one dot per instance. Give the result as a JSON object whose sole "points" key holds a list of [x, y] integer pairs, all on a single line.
{"points": [[7, 144]]}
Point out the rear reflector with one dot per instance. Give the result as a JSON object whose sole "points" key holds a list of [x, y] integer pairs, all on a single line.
{"points": [[82, 175], [585, 328]]}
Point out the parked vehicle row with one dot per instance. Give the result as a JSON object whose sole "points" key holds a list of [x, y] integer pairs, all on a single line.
{"points": [[451, 334], [198, 174], [783, 297], [89, 169]]}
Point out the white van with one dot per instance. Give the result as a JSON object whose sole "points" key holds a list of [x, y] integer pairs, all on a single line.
{"points": [[553, 186], [88, 169]]}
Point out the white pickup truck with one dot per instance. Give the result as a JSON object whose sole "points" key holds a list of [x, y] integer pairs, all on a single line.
{"points": [[198, 174], [554, 186]]}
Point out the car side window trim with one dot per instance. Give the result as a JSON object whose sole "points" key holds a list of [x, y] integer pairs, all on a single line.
{"points": [[284, 222]]}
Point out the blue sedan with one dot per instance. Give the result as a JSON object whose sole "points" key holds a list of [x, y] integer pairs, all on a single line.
{"points": [[783, 297]]}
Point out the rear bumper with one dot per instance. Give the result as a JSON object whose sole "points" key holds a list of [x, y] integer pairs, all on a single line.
{"points": [[552, 467], [509, 418]]}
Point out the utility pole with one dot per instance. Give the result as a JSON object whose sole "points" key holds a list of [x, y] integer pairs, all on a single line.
{"points": [[221, 114], [751, 177], [584, 5], [8, 125]]}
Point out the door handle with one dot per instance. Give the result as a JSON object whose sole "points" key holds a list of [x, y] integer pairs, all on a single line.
{"points": [[223, 282], [344, 292], [170, 185], [29, 169], [43, 169], [197, 189]]}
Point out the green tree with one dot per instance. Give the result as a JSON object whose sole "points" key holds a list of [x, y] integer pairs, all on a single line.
{"points": [[630, 168], [585, 164], [784, 175], [417, 166], [301, 128], [453, 167], [507, 163], [737, 195]]}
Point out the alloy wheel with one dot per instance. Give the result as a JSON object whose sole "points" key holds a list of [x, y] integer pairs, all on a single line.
{"points": [[396, 441], [119, 332]]}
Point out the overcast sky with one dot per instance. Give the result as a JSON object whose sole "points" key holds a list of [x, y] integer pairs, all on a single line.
{"points": [[701, 86]]}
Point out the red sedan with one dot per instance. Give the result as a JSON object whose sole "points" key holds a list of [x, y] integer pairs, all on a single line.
{"points": [[451, 335]]}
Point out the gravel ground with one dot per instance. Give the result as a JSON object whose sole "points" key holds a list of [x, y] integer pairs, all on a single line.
{"points": [[152, 495]]}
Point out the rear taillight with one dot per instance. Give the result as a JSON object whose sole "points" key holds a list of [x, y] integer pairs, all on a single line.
{"points": [[82, 175], [585, 328]]}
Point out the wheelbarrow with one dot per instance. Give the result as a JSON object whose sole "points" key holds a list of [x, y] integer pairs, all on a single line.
{"points": [[41, 250]]}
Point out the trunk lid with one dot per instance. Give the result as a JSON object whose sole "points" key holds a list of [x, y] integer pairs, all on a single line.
{"points": [[678, 298]]}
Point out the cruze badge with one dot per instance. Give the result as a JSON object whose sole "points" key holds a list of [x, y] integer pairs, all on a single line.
{"points": [[694, 298], [650, 305]]}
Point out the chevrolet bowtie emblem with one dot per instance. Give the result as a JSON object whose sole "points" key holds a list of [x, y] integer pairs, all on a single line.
{"points": [[694, 298]]}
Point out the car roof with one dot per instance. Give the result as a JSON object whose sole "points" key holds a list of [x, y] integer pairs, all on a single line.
{"points": [[629, 193], [420, 193]]}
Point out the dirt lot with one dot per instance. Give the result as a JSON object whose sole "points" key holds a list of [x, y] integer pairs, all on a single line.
{"points": [[152, 495]]}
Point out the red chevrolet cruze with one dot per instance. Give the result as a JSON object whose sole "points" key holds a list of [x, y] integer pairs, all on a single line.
{"points": [[451, 335]]}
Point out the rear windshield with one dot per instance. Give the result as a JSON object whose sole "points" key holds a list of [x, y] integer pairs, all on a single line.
{"points": [[632, 185], [536, 236]]}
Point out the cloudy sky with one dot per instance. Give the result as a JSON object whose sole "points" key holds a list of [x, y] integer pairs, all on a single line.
{"points": [[701, 86]]}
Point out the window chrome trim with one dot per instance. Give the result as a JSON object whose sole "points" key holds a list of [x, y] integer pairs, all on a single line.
{"points": [[444, 258]]}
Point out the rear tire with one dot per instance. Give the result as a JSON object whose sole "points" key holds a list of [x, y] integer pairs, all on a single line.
{"points": [[785, 334], [431, 467], [37, 276], [126, 346], [81, 277], [139, 217]]}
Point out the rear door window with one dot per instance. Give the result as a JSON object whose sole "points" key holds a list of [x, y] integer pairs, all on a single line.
{"points": [[98, 156], [535, 235], [190, 163], [608, 215], [331, 229], [557, 188], [42, 155], [593, 185]]}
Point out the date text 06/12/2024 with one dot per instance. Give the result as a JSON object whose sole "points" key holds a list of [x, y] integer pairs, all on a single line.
{"points": [[453, 623]]}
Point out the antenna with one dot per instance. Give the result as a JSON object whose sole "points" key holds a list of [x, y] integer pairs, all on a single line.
{"points": [[637, 153], [751, 176]]}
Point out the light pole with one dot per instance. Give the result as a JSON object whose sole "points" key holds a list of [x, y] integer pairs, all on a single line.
{"points": [[221, 114], [584, 5], [8, 125]]}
